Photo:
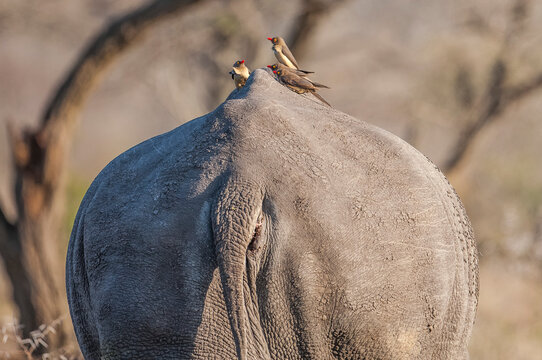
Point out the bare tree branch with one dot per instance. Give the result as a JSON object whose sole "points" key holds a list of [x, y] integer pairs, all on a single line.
{"points": [[497, 100], [491, 106], [311, 14], [29, 248], [10, 250], [518, 92], [497, 97], [517, 16], [118, 36]]}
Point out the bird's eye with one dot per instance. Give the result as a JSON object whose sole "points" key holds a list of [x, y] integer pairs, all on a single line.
{"points": [[274, 39]]}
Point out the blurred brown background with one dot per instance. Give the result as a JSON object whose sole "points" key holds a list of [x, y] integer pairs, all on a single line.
{"points": [[445, 76]]}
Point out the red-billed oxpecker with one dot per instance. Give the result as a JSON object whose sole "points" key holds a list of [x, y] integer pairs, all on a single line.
{"points": [[298, 84], [301, 73], [240, 73], [282, 53]]}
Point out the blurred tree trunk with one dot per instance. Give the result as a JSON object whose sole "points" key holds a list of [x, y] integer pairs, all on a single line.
{"points": [[497, 96], [311, 15], [496, 99], [29, 246]]}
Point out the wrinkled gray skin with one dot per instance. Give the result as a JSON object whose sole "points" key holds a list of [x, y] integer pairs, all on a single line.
{"points": [[364, 250]]}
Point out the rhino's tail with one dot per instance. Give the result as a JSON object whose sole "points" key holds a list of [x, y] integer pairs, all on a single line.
{"points": [[236, 224]]}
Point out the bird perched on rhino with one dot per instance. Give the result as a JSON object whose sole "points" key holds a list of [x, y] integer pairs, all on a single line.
{"points": [[283, 53], [240, 73], [298, 84], [298, 72]]}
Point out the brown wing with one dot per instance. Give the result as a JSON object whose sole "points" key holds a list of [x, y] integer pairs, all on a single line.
{"points": [[289, 55], [298, 72], [294, 80]]}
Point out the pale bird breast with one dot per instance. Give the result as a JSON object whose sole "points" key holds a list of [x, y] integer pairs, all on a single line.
{"points": [[283, 59], [240, 71], [245, 73]]}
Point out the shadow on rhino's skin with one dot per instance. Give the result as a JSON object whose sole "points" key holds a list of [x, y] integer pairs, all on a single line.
{"points": [[170, 344], [136, 329]]}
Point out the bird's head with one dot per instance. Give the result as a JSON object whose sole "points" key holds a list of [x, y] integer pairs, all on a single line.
{"points": [[278, 72], [274, 40], [238, 63], [273, 67]]}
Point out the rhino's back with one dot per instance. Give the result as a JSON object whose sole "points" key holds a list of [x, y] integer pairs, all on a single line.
{"points": [[362, 223]]}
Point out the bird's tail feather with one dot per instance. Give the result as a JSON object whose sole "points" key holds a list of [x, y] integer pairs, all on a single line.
{"points": [[318, 85], [320, 98]]}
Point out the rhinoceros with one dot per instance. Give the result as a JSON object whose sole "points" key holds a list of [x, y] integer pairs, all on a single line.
{"points": [[273, 227]]}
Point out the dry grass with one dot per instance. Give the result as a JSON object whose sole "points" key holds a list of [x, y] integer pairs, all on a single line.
{"points": [[14, 346], [509, 319]]}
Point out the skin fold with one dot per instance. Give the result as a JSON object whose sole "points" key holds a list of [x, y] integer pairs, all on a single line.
{"points": [[272, 228]]}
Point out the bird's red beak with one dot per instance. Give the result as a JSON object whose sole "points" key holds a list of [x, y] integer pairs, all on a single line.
{"points": [[270, 39], [242, 61], [270, 66], [274, 71]]}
